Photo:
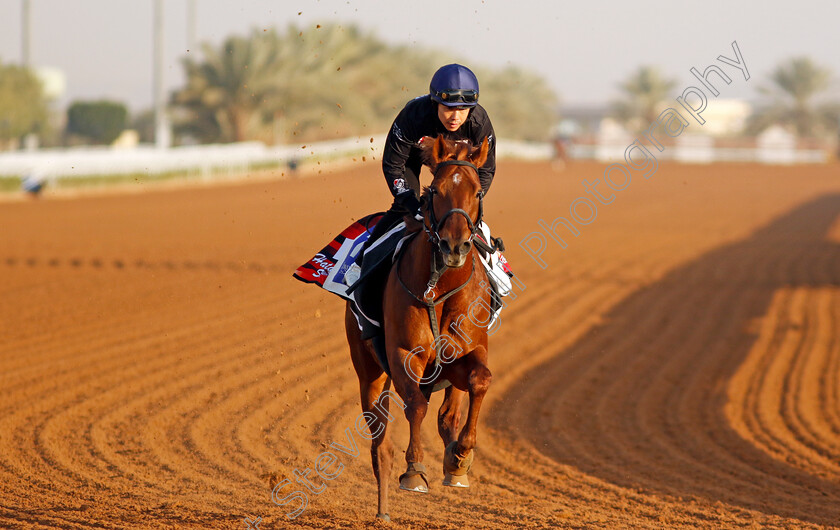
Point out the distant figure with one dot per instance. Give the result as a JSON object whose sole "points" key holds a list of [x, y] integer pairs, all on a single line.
{"points": [[562, 139], [33, 183], [292, 164], [561, 154]]}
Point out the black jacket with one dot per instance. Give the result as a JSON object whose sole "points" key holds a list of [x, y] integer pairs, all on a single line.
{"points": [[401, 161]]}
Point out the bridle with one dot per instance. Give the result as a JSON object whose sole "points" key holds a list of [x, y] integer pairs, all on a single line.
{"points": [[434, 227], [433, 231]]}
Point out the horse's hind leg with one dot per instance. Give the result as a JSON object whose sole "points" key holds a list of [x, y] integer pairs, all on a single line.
{"points": [[373, 387], [375, 403], [449, 415]]}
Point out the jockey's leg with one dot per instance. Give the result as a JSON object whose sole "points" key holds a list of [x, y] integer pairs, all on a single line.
{"points": [[393, 216], [501, 283], [390, 219]]}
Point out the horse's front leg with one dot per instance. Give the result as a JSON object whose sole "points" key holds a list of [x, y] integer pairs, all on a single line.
{"points": [[414, 478], [471, 373]]}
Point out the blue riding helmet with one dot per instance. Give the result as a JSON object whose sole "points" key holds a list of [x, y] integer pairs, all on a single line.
{"points": [[454, 85]]}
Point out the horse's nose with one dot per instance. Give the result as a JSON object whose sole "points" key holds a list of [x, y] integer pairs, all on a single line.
{"points": [[460, 249], [455, 255], [463, 249]]}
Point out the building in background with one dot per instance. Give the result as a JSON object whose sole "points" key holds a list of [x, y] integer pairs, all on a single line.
{"points": [[725, 117]]}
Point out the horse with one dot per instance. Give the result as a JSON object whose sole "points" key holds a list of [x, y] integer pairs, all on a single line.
{"points": [[435, 280]]}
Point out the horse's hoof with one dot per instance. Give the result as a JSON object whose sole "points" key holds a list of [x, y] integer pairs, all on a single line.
{"points": [[456, 481], [414, 479], [384, 516], [455, 464]]}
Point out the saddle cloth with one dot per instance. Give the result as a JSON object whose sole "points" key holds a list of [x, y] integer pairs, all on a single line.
{"points": [[327, 268]]}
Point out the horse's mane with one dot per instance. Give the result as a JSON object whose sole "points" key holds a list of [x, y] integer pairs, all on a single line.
{"points": [[424, 197]]}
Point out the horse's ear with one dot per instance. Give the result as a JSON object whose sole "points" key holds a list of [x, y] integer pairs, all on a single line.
{"points": [[432, 149], [479, 156], [438, 149]]}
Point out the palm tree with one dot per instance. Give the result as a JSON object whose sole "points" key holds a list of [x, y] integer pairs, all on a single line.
{"points": [[795, 84], [306, 78], [226, 92], [644, 91]]}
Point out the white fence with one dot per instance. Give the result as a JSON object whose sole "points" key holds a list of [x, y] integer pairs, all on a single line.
{"points": [[200, 159], [771, 148], [209, 159]]}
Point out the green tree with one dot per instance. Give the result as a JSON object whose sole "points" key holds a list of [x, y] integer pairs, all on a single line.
{"points": [[231, 88], [98, 121], [520, 103], [329, 81], [23, 106], [789, 100], [643, 94], [305, 83]]}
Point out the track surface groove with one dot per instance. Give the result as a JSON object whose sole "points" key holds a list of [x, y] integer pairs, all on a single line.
{"points": [[678, 365]]}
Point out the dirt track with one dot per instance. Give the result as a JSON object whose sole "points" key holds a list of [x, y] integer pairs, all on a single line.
{"points": [[677, 366]]}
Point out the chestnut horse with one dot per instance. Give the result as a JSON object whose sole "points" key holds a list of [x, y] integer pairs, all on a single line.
{"points": [[428, 296]]}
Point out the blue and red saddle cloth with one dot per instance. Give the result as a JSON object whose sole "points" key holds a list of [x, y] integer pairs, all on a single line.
{"points": [[327, 268]]}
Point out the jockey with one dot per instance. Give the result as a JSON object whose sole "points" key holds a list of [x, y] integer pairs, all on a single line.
{"points": [[451, 108]]}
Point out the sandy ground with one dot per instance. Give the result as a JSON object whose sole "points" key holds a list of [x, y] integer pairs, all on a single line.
{"points": [[677, 366]]}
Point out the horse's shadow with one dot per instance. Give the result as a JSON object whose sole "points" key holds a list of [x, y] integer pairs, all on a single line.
{"points": [[640, 401]]}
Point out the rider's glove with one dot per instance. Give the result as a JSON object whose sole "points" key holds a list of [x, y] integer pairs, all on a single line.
{"points": [[408, 201]]}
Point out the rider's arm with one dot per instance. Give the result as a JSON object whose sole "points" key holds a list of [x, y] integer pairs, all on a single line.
{"points": [[398, 145], [488, 170]]}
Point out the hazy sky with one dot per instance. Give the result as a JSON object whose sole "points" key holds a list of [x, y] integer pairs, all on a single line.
{"points": [[583, 48]]}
